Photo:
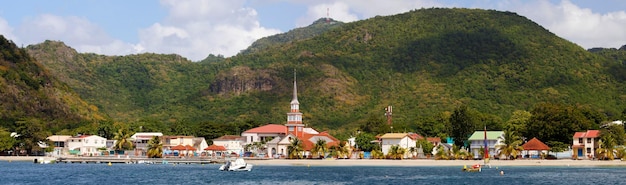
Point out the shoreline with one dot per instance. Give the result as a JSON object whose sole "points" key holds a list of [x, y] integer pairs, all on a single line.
{"points": [[400, 163], [432, 162]]}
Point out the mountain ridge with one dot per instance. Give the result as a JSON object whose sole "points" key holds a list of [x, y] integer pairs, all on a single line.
{"points": [[424, 62]]}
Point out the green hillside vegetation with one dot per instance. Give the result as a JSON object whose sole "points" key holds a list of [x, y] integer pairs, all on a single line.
{"points": [[426, 63], [318, 27], [34, 103]]}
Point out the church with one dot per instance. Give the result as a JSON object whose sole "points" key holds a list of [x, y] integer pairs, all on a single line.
{"points": [[278, 137]]}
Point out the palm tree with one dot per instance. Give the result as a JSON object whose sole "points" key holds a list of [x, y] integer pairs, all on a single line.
{"points": [[295, 149], [396, 152], [123, 142], [377, 154], [343, 150], [512, 145], [441, 153], [320, 148], [155, 148]]}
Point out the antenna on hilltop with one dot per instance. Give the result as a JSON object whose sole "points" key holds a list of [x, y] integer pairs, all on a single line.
{"points": [[327, 15]]}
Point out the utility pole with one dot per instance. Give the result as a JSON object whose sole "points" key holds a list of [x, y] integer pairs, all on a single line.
{"points": [[388, 113]]}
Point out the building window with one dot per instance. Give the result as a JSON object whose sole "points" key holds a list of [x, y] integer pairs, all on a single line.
{"points": [[290, 128], [588, 140], [580, 140], [588, 150]]}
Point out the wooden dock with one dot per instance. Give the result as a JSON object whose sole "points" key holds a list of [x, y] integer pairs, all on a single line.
{"points": [[136, 160]]}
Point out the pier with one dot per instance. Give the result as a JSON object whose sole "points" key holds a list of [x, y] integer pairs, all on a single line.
{"points": [[129, 160]]}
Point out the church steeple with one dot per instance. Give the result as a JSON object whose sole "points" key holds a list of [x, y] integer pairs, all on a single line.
{"points": [[294, 117]]}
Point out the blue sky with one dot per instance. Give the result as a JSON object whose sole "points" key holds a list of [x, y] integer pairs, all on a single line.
{"points": [[196, 28]]}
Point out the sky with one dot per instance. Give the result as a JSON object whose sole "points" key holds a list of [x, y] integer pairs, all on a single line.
{"points": [[196, 28]]}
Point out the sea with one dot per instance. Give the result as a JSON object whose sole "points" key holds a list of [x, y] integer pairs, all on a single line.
{"points": [[15, 173]]}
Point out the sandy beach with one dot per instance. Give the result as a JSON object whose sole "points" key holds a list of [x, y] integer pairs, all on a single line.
{"points": [[405, 162]]}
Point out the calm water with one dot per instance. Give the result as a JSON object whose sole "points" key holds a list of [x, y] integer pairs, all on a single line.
{"points": [[29, 173]]}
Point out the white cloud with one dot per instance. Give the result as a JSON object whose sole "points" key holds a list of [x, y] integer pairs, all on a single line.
{"points": [[353, 10], [195, 29], [76, 32], [6, 30]]}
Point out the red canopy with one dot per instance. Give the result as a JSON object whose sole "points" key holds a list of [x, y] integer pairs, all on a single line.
{"points": [[179, 147], [215, 148], [189, 147]]}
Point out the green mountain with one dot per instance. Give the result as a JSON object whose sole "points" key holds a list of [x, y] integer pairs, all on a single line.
{"points": [[318, 27], [424, 62], [33, 99]]}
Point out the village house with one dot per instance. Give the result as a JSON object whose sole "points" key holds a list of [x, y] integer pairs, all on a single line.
{"points": [[86, 145], [59, 142], [403, 140], [231, 143], [477, 143], [141, 139], [585, 144]]}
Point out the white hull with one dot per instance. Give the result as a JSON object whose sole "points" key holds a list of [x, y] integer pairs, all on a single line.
{"points": [[238, 165]]}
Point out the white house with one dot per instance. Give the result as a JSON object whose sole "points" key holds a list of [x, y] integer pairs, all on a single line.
{"points": [[477, 141], [404, 140], [141, 139], [59, 143], [86, 145], [232, 143]]}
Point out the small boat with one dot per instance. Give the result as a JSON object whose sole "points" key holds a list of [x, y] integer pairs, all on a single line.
{"points": [[474, 168], [237, 165]]}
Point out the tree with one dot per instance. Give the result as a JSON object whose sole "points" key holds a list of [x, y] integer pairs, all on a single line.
{"points": [[462, 125], [511, 146], [375, 125], [427, 146], [122, 140], [364, 142], [155, 148], [518, 122], [6, 141], [295, 149], [556, 122], [396, 152], [320, 149]]}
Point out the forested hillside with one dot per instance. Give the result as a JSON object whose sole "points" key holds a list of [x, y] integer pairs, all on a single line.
{"points": [[425, 63], [33, 102]]}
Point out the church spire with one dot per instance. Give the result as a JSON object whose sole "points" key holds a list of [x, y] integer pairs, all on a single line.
{"points": [[295, 88]]}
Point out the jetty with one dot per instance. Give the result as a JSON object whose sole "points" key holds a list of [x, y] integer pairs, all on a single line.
{"points": [[139, 160]]}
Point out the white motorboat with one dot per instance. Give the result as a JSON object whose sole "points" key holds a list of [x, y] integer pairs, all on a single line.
{"points": [[237, 165]]}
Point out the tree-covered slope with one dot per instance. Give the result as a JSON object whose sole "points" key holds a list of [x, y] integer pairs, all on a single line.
{"points": [[32, 96], [425, 63], [318, 27]]}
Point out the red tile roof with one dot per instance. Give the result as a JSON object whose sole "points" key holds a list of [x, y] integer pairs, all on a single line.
{"points": [[308, 145], [588, 134], [269, 128], [535, 144]]}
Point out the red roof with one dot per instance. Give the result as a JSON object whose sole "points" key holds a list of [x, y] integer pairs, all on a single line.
{"points": [[308, 145], [535, 144], [215, 148], [415, 136], [588, 134], [269, 128], [434, 139]]}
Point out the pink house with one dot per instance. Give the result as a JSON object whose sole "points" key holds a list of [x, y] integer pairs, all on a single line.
{"points": [[585, 144]]}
